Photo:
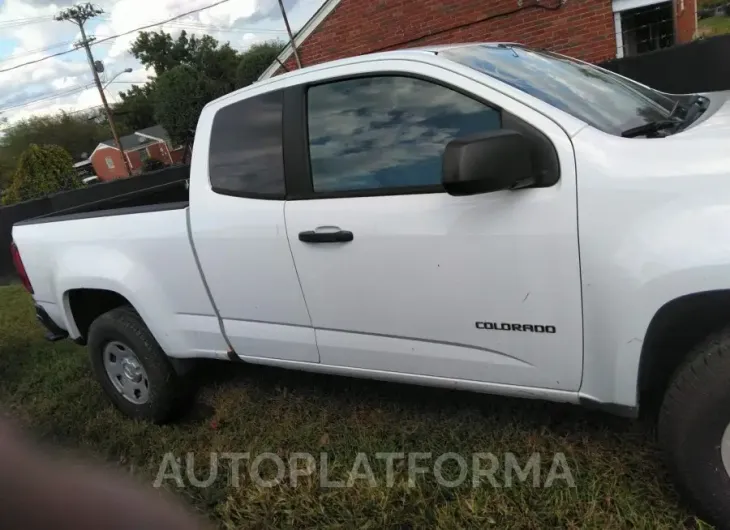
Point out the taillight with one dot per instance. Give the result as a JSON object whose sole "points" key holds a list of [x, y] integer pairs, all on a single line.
{"points": [[20, 268]]}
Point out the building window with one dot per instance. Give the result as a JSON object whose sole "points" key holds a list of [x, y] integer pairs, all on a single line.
{"points": [[144, 155], [109, 162], [643, 29], [380, 133]]}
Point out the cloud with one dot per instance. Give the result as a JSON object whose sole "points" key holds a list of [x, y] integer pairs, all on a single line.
{"points": [[28, 32], [407, 121]]}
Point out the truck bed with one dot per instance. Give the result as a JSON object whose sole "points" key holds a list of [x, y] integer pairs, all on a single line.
{"points": [[167, 195]]}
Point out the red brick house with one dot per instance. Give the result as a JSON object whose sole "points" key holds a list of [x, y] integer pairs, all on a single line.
{"points": [[153, 142], [592, 30]]}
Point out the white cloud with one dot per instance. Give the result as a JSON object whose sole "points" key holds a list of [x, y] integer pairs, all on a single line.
{"points": [[240, 22]]}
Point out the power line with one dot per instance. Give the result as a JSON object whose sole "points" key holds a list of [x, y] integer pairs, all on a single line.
{"points": [[37, 60], [99, 41], [148, 26], [37, 50], [18, 22], [85, 109], [54, 95], [242, 29]]}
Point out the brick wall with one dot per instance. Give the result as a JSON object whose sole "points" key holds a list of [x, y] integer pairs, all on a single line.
{"points": [[581, 28], [160, 152], [98, 161], [685, 12], [177, 155], [135, 161]]}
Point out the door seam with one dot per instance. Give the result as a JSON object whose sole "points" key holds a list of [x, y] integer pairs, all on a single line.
{"points": [[301, 287]]}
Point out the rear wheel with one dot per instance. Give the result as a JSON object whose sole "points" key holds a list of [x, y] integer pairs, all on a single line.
{"points": [[694, 428], [134, 372]]}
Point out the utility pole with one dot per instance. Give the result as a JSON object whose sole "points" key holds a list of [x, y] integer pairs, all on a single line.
{"points": [[291, 37], [79, 14]]}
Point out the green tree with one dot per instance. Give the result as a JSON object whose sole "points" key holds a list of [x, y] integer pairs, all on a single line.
{"points": [[205, 67], [76, 133], [205, 54], [152, 164], [41, 170], [180, 95], [137, 109], [255, 61]]}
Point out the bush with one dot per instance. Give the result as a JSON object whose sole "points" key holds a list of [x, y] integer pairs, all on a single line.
{"points": [[41, 170], [152, 164]]}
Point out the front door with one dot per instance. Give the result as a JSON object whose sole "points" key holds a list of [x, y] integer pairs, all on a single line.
{"points": [[483, 287]]}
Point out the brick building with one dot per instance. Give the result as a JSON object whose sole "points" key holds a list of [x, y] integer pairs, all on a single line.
{"points": [[152, 142], [592, 30]]}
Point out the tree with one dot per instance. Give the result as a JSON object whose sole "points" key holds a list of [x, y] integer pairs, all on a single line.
{"points": [[137, 109], [41, 170], [255, 61], [76, 133], [205, 54], [180, 95], [152, 164]]}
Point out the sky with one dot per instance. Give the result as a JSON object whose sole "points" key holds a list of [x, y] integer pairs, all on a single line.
{"points": [[28, 32]]}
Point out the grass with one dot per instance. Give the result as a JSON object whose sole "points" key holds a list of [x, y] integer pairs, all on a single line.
{"points": [[709, 27], [619, 481]]}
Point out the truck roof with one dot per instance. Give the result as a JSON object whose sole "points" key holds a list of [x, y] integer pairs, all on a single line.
{"points": [[406, 53]]}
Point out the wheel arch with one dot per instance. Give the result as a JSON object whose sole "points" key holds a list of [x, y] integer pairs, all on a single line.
{"points": [[675, 328], [84, 305]]}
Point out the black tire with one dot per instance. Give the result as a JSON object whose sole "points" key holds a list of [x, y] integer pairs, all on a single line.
{"points": [[692, 420], [168, 393]]}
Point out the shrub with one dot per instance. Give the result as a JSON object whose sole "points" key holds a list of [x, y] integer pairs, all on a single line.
{"points": [[41, 170]]}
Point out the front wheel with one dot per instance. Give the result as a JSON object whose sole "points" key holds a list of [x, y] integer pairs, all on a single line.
{"points": [[694, 428], [134, 372]]}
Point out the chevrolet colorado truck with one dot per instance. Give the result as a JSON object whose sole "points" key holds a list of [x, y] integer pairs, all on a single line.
{"points": [[485, 217]]}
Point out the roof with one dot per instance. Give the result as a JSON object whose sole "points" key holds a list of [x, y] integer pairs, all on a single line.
{"points": [[156, 131], [142, 138], [325, 9], [405, 53]]}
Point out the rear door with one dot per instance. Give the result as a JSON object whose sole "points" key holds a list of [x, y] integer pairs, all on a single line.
{"points": [[409, 279], [238, 229]]}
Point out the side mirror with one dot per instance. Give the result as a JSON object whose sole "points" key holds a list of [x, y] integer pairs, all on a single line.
{"points": [[493, 161]]}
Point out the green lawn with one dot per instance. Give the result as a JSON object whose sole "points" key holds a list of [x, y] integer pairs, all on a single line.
{"points": [[619, 482], [711, 26]]}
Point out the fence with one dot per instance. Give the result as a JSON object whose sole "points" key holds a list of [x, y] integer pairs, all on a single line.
{"points": [[698, 66], [116, 189]]}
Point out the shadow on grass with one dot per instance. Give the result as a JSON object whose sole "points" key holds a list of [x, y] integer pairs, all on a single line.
{"points": [[347, 392]]}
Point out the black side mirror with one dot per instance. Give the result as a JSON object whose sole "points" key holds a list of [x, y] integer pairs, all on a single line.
{"points": [[493, 161]]}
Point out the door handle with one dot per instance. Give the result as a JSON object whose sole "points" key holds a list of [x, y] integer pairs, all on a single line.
{"points": [[339, 236]]}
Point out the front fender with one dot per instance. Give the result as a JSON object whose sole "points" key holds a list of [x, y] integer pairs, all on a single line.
{"points": [[679, 248]]}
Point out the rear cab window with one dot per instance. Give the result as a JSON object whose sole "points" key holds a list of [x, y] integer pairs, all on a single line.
{"points": [[246, 157]]}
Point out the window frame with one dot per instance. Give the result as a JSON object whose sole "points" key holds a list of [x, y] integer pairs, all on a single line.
{"points": [[298, 173], [109, 162], [247, 194]]}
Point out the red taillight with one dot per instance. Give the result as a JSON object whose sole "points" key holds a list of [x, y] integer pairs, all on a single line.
{"points": [[20, 268]]}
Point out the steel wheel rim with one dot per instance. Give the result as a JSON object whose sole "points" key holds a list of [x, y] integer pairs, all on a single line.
{"points": [[126, 373], [725, 449]]}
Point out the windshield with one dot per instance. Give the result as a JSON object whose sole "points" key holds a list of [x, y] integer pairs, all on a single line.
{"points": [[598, 97]]}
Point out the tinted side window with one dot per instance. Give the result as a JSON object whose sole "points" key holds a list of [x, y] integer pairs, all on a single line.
{"points": [[246, 155], [387, 132]]}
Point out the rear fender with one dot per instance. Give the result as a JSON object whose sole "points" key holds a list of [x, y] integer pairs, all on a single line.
{"points": [[95, 267]]}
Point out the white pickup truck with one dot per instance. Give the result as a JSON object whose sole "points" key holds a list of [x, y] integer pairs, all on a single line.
{"points": [[481, 217]]}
